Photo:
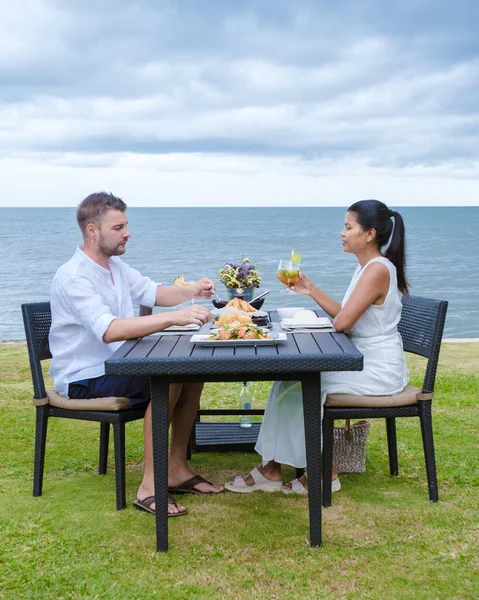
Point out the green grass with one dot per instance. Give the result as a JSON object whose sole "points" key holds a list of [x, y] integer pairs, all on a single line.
{"points": [[382, 538]]}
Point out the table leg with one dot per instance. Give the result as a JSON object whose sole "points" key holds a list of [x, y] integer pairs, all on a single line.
{"points": [[312, 427], [159, 417]]}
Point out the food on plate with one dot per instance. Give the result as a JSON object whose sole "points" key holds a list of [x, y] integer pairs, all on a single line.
{"points": [[227, 318], [241, 305], [180, 281], [246, 331]]}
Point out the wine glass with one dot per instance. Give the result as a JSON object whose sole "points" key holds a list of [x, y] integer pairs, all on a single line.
{"points": [[288, 273]]}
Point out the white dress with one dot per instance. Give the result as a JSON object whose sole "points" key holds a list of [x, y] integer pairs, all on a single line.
{"points": [[375, 334]]}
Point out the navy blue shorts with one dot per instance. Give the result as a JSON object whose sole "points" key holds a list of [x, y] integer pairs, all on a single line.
{"points": [[136, 389]]}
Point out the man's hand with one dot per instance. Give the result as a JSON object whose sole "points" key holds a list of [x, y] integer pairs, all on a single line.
{"points": [[193, 314], [204, 288], [135, 327]]}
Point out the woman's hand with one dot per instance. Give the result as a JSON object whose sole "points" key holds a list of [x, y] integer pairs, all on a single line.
{"points": [[303, 286]]}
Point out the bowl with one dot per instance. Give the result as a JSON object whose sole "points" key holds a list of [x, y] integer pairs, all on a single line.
{"points": [[222, 303], [289, 312], [304, 316]]}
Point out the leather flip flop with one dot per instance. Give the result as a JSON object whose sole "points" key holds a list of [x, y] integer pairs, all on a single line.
{"points": [[188, 487], [146, 503]]}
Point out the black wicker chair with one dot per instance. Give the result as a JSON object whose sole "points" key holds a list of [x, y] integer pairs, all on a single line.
{"points": [[37, 320], [421, 327]]}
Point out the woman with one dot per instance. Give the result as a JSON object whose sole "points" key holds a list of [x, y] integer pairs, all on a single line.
{"points": [[369, 314]]}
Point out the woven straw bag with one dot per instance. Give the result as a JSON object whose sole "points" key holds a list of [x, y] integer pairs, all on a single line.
{"points": [[349, 447]]}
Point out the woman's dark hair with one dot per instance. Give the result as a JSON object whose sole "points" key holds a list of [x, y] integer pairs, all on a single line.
{"points": [[372, 214]]}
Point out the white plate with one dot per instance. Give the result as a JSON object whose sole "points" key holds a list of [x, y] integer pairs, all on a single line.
{"points": [[190, 327], [203, 340], [319, 323]]}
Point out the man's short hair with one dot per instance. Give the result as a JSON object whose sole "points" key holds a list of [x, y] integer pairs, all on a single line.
{"points": [[95, 206]]}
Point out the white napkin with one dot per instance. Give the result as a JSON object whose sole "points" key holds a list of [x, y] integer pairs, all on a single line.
{"points": [[318, 322], [189, 327]]}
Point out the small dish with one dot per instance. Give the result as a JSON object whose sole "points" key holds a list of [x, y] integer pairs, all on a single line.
{"points": [[289, 311]]}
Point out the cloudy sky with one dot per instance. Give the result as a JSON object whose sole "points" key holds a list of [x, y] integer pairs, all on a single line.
{"points": [[237, 102]]}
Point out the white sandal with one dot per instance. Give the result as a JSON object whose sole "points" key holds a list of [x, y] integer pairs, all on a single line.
{"points": [[260, 484], [298, 488]]}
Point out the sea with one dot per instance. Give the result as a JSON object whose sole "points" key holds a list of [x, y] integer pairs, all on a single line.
{"points": [[442, 253]]}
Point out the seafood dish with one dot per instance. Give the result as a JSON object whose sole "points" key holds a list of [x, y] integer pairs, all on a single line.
{"points": [[239, 331]]}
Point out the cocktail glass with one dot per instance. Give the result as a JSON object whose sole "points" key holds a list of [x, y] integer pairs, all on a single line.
{"points": [[288, 273]]}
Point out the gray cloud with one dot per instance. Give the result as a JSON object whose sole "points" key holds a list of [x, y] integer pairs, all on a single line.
{"points": [[393, 83]]}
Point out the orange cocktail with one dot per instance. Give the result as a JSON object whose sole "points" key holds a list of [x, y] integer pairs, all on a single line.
{"points": [[288, 272]]}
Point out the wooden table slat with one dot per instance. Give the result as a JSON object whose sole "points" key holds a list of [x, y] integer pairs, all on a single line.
{"points": [[164, 347], [183, 348], [126, 348], [345, 343], [267, 350], [306, 343], [143, 349], [242, 351], [327, 343], [288, 347], [200, 352], [223, 351]]}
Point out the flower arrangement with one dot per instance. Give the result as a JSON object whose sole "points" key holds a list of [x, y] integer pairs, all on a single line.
{"points": [[244, 275]]}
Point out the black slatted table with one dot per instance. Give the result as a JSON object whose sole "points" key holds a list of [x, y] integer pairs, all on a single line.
{"points": [[174, 359]]}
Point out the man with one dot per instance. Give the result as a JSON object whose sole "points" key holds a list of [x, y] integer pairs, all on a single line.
{"points": [[92, 297]]}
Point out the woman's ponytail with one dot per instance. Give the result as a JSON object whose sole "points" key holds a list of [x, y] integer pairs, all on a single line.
{"points": [[396, 251]]}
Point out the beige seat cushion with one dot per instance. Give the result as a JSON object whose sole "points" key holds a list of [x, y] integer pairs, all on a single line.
{"points": [[111, 403], [410, 395]]}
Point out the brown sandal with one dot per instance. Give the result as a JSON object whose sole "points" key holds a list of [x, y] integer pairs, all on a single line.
{"points": [[188, 487], [148, 501]]}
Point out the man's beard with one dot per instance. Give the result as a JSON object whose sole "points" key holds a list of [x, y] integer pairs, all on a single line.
{"points": [[117, 250]]}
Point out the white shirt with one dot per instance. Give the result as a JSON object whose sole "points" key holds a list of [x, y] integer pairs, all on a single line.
{"points": [[84, 301]]}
